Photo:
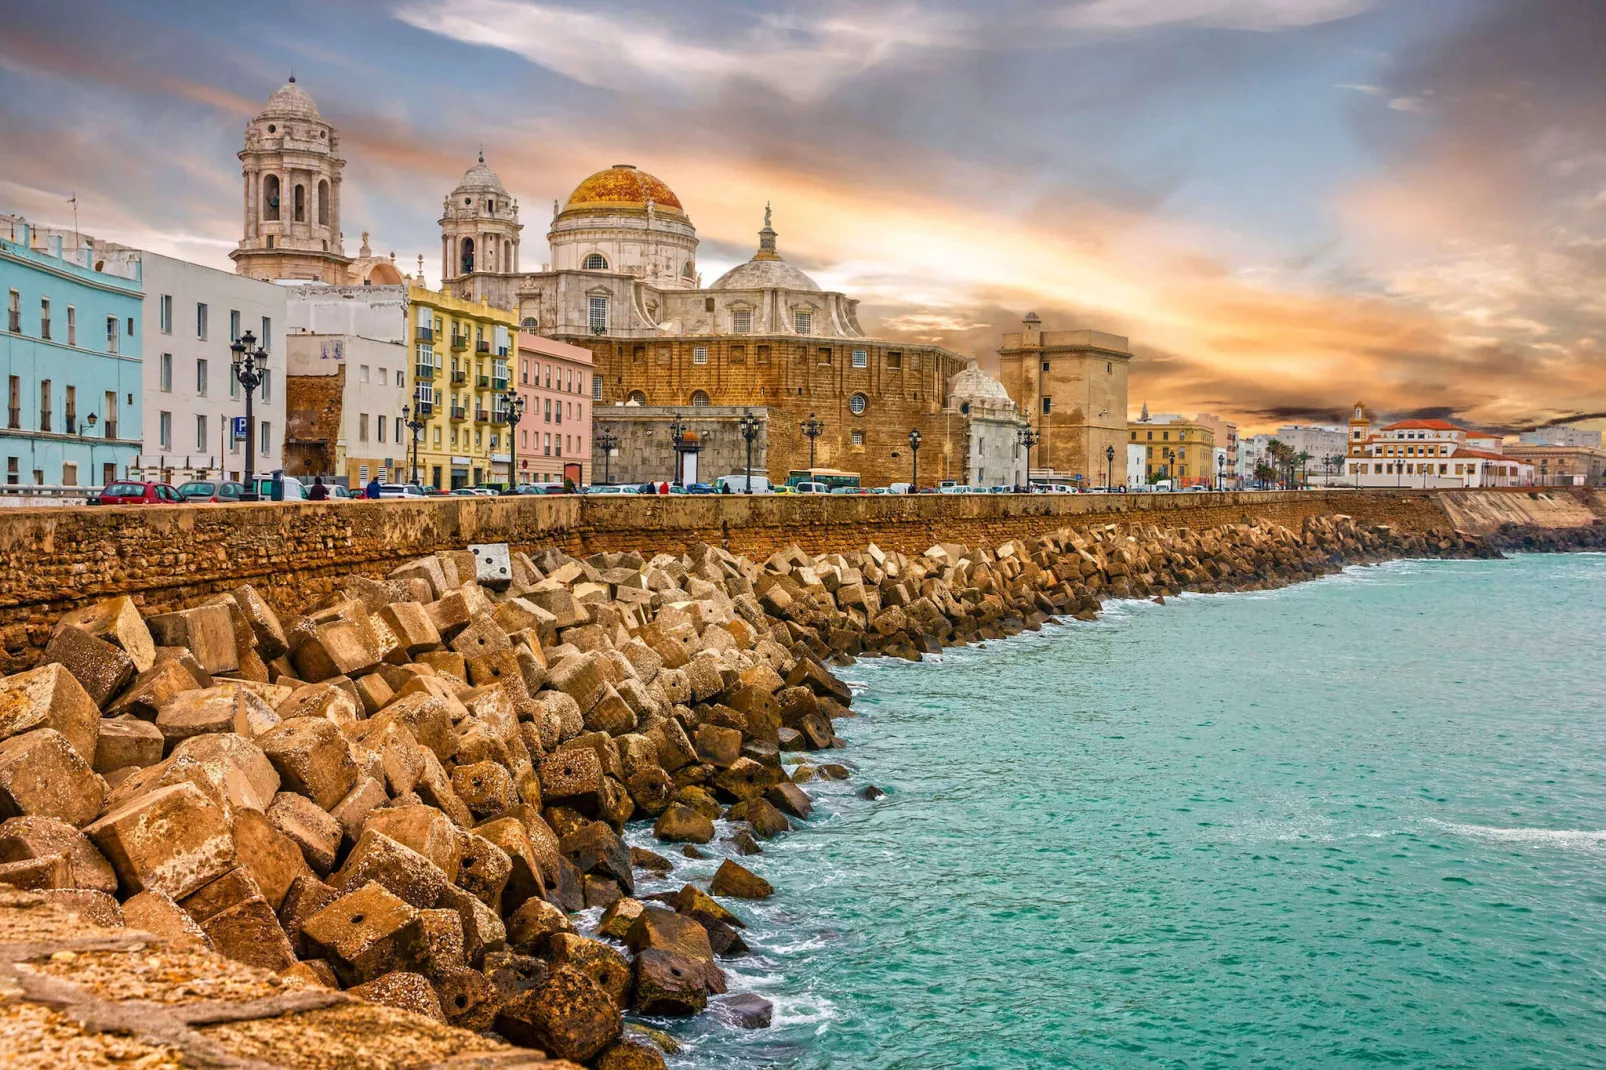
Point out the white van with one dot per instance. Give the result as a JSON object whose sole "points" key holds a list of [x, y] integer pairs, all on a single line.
{"points": [[738, 484]]}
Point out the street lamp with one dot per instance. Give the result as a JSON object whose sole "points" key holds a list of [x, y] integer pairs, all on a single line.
{"points": [[1221, 471], [914, 452], [812, 429], [1168, 453], [749, 426], [677, 435], [414, 422], [512, 412], [606, 441], [1109, 464], [1029, 438], [250, 365], [1544, 471]]}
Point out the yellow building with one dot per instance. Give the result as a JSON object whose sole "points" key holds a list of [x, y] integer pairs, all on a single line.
{"points": [[462, 351], [1174, 448]]}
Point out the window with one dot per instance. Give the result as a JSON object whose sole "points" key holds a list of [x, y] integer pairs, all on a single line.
{"points": [[69, 475], [594, 262], [1048, 406], [861, 359], [323, 203], [699, 355], [400, 380], [164, 430], [14, 402], [362, 427], [200, 322], [200, 378], [763, 355], [384, 377], [857, 404], [72, 326], [547, 415], [738, 355], [44, 318], [164, 374], [397, 423], [362, 373], [267, 385], [1109, 367], [200, 432], [1045, 365], [14, 316], [265, 339], [548, 369], [11, 471], [699, 398], [530, 324], [597, 308], [638, 397], [165, 313], [825, 356], [596, 387], [546, 444], [437, 438], [111, 334], [858, 438], [742, 320], [362, 474], [266, 437], [379, 429], [234, 325], [44, 405], [803, 322], [300, 203], [895, 361]]}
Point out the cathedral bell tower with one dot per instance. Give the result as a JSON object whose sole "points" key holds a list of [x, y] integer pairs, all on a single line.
{"points": [[291, 165], [479, 227]]}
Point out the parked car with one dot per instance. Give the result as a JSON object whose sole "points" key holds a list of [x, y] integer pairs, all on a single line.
{"points": [[739, 484], [205, 490], [811, 488], [949, 487], [131, 493], [337, 493], [291, 489], [600, 488], [701, 488], [401, 490]]}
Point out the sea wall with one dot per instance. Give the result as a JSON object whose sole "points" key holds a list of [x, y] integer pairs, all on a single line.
{"points": [[1484, 512]]}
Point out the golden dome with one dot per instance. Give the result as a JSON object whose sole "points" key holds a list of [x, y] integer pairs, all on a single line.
{"points": [[622, 185]]}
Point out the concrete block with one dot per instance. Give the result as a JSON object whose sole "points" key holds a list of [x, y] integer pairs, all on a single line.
{"points": [[156, 913], [365, 934], [99, 666], [400, 870], [116, 621], [207, 631], [312, 759], [265, 626], [312, 829], [171, 840], [492, 566], [327, 700], [411, 624], [42, 775], [238, 766], [23, 838], [50, 697], [273, 859], [155, 688]]}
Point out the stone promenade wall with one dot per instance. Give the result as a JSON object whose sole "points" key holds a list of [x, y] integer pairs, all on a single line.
{"points": [[58, 559], [1481, 512]]}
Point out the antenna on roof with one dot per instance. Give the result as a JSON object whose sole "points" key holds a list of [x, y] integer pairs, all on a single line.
{"points": [[73, 200]]}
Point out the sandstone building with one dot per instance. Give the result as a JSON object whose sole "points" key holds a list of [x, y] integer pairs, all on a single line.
{"points": [[1073, 384]]}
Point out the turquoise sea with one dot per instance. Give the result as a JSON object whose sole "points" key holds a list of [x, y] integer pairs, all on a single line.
{"points": [[1358, 822]]}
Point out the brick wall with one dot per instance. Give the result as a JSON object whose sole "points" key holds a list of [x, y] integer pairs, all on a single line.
{"points": [[54, 560]]}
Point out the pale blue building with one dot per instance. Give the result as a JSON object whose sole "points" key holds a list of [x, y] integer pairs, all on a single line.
{"points": [[69, 363]]}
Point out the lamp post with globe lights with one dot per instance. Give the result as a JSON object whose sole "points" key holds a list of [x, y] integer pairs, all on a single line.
{"points": [[414, 422], [812, 429], [1029, 438], [914, 452], [512, 412], [607, 442], [1109, 466], [749, 426], [677, 435], [250, 367]]}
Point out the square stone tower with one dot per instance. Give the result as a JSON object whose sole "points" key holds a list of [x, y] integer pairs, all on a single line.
{"points": [[1072, 386]]}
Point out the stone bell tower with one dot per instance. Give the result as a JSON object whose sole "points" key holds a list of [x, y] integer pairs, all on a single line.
{"points": [[291, 165]]}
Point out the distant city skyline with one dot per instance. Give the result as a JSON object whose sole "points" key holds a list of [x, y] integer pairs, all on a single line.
{"points": [[1285, 204]]}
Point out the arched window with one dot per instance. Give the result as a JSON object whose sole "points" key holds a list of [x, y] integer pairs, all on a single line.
{"points": [[638, 397], [323, 203], [964, 408], [270, 197], [301, 203], [531, 324], [490, 206], [687, 271], [468, 255], [699, 397], [595, 262]]}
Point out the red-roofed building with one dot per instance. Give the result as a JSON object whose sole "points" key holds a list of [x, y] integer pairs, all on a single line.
{"points": [[1429, 453]]}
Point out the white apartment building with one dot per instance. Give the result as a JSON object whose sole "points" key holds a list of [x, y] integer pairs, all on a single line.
{"points": [[1561, 435], [1429, 454], [192, 314]]}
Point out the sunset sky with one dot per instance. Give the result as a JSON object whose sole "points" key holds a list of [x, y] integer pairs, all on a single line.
{"points": [[1287, 205]]}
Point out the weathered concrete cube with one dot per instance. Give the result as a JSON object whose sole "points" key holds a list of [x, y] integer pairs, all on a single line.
{"points": [[117, 621], [486, 787], [682, 824], [484, 869], [493, 567], [525, 880], [336, 648], [788, 798], [171, 840], [365, 934], [767, 821], [664, 930], [312, 759], [99, 666], [596, 848], [598, 961], [312, 829], [23, 838], [739, 882], [41, 775], [37, 874], [581, 677], [224, 708], [273, 859], [50, 697], [669, 984], [249, 932], [415, 632], [156, 913], [572, 778], [402, 871], [428, 717], [208, 632], [327, 700], [373, 693], [305, 897], [718, 746], [353, 811], [423, 829], [568, 1015], [265, 626], [155, 688], [220, 893]]}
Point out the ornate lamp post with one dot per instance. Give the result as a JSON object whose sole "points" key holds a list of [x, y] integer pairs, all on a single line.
{"points": [[677, 435], [1168, 453], [414, 423], [1221, 471], [250, 365], [812, 429], [914, 452], [749, 426], [1029, 438], [512, 412], [1109, 467], [607, 442], [1544, 471]]}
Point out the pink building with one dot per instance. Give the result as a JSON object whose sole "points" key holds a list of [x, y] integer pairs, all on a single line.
{"points": [[555, 381]]}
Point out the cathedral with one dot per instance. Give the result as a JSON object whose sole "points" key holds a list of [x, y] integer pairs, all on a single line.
{"points": [[622, 281]]}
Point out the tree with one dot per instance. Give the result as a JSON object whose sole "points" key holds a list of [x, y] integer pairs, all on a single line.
{"points": [[1265, 473], [1281, 459], [1301, 460]]}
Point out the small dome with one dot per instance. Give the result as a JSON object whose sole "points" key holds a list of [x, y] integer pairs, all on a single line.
{"points": [[623, 185], [973, 384], [291, 101], [479, 177], [765, 275]]}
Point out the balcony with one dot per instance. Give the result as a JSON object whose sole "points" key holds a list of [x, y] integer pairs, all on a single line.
{"points": [[72, 423], [484, 382], [111, 428], [426, 336], [499, 385], [502, 351], [44, 420], [481, 416], [423, 408], [482, 346], [425, 372], [459, 342], [459, 414], [459, 376], [14, 418]]}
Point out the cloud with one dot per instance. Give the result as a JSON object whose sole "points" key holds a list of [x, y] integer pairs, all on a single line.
{"points": [[1257, 15], [801, 59]]}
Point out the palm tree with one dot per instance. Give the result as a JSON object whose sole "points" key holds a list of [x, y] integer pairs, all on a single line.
{"points": [[1301, 460], [1281, 459]]}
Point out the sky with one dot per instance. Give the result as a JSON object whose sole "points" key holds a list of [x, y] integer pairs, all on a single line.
{"points": [[1286, 205]]}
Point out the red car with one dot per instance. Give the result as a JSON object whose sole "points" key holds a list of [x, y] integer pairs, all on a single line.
{"points": [[127, 493]]}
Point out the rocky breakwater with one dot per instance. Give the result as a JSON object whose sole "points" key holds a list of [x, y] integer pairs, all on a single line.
{"points": [[415, 792]]}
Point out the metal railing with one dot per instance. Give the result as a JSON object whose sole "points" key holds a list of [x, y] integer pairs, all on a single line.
{"points": [[459, 412], [484, 382], [459, 342], [426, 335], [482, 346], [459, 375]]}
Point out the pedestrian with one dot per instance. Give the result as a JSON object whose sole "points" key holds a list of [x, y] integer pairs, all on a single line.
{"points": [[319, 492], [372, 489]]}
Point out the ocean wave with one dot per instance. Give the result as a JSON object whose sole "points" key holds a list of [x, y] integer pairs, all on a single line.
{"points": [[1566, 839]]}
